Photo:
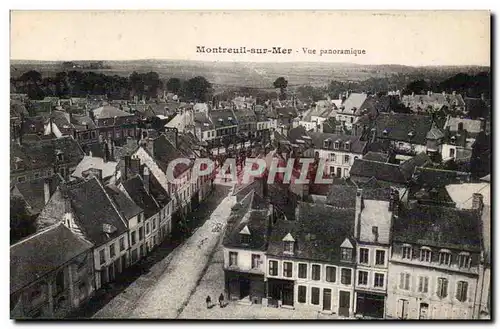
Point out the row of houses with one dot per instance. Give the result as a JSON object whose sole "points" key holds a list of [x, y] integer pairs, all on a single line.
{"points": [[112, 214], [366, 251]]}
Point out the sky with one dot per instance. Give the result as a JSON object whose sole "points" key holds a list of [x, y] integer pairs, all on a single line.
{"points": [[415, 38]]}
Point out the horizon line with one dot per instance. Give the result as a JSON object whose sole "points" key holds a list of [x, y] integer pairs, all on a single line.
{"points": [[249, 62]]}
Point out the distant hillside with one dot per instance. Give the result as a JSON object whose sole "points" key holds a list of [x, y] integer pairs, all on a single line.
{"points": [[255, 75]]}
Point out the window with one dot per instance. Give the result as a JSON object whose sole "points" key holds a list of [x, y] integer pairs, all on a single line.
{"points": [[60, 282], [132, 238], [147, 228], [464, 260], [287, 269], [404, 281], [346, 159], [336, 145], [380, 257], [363, 278], [315, 296], [255, 261], [245, 238], [316, 272], [363, 255], [462, 287], [273, 267], [122, 244], [423, 284], [442, 288], [302, 291], [288, 246], [378, 281], [425, 255], [346, 276], [112, 250], [303, 271], [407, 252], [233, 258], [346, 254], [331, 274], [333, 157], [21, 179], [141, 233], [139, 218], [444, 258], [102, 257], [452, 153]]}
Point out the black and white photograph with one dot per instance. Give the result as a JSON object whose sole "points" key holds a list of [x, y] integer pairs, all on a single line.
{"points": [[250, 165]]}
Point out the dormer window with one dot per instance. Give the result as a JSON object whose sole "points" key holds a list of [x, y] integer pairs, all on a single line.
{"points": [[347, 145], [444, 257], [326, 143], [245, 235], [337, 145], [60, 155], [385, 132], [464, 260], [425, 254], [288, 244], [346, 250], [411, 134], [453, 139]]}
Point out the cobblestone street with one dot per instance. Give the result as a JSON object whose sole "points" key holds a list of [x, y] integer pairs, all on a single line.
{"points": [[120, 298]]}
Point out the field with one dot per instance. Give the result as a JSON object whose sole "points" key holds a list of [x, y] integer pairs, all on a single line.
{"points": [[254, 75]]}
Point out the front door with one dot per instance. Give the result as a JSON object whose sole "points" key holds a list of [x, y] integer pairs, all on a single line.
{"points": [[124, 262], [111, 272], [339, 172], [244, 288], [288, 294], [344, 303], [104, 277], [424, 309], [327, 299]]}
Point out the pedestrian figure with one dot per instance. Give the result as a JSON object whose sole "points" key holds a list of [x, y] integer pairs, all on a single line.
{"points": [[209, 301], [221, 300]]}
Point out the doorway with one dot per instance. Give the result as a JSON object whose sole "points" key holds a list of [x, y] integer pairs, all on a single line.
{"points": [[339, 172], [244, 288], [344, 303], [424, 311], [327, 299]]}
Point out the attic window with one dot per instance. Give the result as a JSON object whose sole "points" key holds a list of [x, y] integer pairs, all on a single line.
{"points": [[108, 228], [337, 144], [347, 145], [245, 235], [346, 250], [411, 134], [385, 132]]}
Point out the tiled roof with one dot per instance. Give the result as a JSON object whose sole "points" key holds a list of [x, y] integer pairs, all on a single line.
{"points": [[91, 208], [439, 177], [42, 154], [376, 156], [420, 160], [250, 212], [135, 189], [164, 152], [436, 226], [109, 112], [223, 118], [319, 231], [126, 206], [357, 146], [90, 162], [399, 126], [353, 104], [44, 252], [342, 196], [381, 171], [33, 192]]}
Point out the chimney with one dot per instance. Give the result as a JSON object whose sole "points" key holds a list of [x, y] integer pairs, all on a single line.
{"points": [[359, 209], [477, 202], [454, 92], [125, 167], [146, 178], [173, 135], [413, 94], [46, 191], [105, 155]]}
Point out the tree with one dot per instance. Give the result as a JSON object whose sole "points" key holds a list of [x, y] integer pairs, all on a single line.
{"points": [[174, 85], [31, 77], [197, 88], [417, 87], [281, 83], [21, 223]]}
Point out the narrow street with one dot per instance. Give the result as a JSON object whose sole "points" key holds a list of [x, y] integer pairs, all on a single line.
{"points": [[120, 298], [167, 298]]}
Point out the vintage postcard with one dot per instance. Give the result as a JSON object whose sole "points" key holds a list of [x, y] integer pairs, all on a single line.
{"points": [[217, 165]]}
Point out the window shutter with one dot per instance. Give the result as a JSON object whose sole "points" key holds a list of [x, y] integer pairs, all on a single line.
{"points": [[401, 280], [440, 287], [407, 282], [420, 284]]}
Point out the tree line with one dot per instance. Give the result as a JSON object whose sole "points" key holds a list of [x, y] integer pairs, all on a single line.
{"points": [[74, 83]]}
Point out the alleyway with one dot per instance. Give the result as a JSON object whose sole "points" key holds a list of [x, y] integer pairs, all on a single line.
{"points": [[121, 296], [168, 296]]}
